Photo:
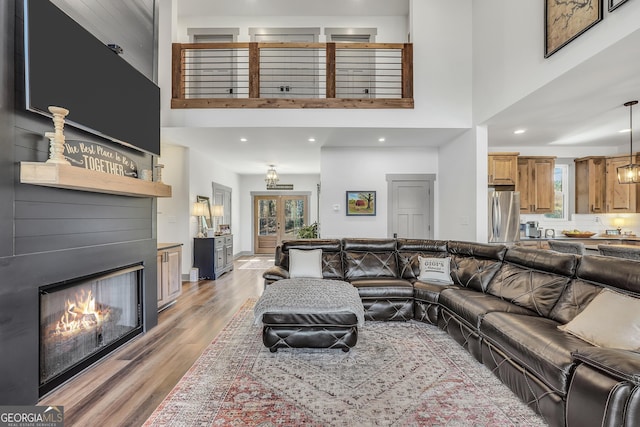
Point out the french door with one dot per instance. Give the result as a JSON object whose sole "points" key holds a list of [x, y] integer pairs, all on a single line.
{"points": [[277, 218]]}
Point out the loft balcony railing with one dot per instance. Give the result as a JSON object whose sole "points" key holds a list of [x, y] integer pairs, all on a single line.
{"points": [[292, 75]]}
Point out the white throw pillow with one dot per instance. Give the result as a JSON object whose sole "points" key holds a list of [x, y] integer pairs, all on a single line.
{"points": [[610, 320], [305, 263], [435, 270]]}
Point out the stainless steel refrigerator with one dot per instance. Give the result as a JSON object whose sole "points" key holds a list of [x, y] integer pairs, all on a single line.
{"points": [[504, 216]]}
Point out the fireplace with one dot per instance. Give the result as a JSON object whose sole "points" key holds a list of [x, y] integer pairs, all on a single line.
{"points": [[84, 319]]}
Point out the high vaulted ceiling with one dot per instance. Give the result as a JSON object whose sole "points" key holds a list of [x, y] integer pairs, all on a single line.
{"points": [[582, 108]]}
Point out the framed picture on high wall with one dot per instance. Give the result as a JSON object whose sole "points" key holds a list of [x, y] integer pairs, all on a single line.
{"points": [[565, 20], [614, 4], [361, 203]]}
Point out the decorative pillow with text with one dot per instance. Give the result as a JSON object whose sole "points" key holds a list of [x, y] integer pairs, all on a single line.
{"points": [[435, 270]]}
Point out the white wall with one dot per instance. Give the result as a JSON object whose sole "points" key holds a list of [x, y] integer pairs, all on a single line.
{"points": [[191, 173], [173, 220], [391, 29], [255, 184], [508, 50], [463, 194], [357, 169]]}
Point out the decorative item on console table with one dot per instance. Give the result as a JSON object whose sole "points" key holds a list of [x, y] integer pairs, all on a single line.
{"points": [[213, 256]]}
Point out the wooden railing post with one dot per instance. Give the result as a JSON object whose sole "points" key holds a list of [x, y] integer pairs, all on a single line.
{"points": [[177, 71], [331, 70], [407, 71], [254, 70]]}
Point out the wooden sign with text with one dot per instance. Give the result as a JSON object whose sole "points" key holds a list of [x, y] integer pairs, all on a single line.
{"points": [[96, 157]]}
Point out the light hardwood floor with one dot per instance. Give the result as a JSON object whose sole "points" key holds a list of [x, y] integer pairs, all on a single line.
{"points": [[124, 388]]}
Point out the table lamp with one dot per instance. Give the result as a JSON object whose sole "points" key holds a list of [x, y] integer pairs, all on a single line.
{"points": [[201, 211]]}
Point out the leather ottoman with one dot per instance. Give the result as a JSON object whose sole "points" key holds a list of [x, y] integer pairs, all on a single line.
{"points": [[309, 313]]}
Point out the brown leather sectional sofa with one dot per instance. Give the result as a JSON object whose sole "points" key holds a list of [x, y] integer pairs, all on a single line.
{"points": [[504, 307]]}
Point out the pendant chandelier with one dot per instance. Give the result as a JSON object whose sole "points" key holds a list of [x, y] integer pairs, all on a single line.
{"points": [[272, 177], [629, 174]]}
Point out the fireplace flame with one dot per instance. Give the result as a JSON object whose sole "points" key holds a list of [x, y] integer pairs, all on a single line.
{"points": [[81, 314]]}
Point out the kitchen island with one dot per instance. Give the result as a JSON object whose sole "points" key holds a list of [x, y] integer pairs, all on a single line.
{"points": [[590, 243]]}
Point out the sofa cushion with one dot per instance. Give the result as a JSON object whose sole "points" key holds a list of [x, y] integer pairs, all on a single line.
{"points": [[613, 272], [573, 300], [471, 306], [610, 320], [535, 343], [473, 265], [331, 255], [360, 265], [435, 270], [548, 261], [410, 249], [384, 288], [533, 278], [305, 263]]}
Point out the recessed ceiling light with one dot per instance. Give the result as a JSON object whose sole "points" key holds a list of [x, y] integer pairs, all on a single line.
{"points": [[381, 140], [243, 139], [624, 130], [519, 131], [311, 140]]}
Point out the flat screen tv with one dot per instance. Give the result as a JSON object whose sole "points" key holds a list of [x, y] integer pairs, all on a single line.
{"points": [[67, 66]]}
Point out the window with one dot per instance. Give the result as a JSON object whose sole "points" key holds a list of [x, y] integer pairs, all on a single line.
{"points": [[561, 187]]}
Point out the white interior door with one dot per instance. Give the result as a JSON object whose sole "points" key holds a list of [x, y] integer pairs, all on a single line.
{"points": [[411, 209]]}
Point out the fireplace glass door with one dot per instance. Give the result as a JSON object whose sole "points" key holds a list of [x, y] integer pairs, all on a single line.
{"points": [[79, 321]]}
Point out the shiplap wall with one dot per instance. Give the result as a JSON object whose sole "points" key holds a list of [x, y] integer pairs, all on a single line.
{"points": [[50, 235]]}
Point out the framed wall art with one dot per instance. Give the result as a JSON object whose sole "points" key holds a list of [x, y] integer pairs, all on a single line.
{"points": [[565, 20], [614, 4], [361, 203]]}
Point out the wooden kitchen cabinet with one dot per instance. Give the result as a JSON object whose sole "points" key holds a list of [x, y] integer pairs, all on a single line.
{"points": [[535, 184], [620, 198], [169, 273], [591, 185], [213, 256], [503, 168]]}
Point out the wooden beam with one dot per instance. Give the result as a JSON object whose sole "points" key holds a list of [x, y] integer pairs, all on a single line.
{"points": [[407, 71], [371, 46], [254, 70], [379, 103], [76, 178], [331, 70], [177, 71]]}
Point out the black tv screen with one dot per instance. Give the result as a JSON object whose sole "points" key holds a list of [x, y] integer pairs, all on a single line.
{"points": [[67, 66]]}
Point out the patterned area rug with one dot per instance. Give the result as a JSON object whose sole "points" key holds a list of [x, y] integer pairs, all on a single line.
{"points": [[256, 263], [399, 373]]}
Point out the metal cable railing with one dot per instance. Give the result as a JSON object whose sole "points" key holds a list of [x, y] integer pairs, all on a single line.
{"points": [[290, 75]]}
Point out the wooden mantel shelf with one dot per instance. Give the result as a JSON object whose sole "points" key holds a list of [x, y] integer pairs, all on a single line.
{"points": [[75, 178]]}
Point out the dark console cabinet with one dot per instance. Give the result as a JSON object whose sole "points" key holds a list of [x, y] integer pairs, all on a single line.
{"points": [[213, 256]]}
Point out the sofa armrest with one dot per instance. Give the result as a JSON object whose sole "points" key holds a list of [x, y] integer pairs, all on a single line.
{"points": [[621, 364], [275, 273]]}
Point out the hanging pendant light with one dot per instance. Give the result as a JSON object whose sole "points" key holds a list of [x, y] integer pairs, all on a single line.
{"points": [[272, 177], [629, 174]]}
